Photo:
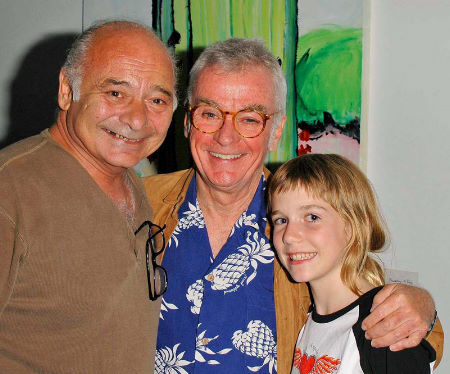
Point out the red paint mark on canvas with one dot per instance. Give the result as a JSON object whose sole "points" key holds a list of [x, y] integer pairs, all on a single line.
{"points": [[303, 150], [304, 135]]}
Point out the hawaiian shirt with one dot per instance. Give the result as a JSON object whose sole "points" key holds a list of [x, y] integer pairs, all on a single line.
{"points": [[218, 314]]}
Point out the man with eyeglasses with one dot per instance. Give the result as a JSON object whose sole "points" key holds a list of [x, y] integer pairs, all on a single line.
{"points": [[219, 313], [78, 276]]}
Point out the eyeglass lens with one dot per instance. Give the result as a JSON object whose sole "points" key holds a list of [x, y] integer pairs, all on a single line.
{"points": [[160, 281], [157, 240], [209, 119]]}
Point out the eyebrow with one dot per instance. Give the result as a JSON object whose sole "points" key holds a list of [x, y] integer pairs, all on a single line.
{"points": [[256, 107], [207, 101], [162, 90], [312, 206], [303, 207], [115, 82]]}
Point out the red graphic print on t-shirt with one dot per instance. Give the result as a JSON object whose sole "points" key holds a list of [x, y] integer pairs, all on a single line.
{"points": [[309, 365]]}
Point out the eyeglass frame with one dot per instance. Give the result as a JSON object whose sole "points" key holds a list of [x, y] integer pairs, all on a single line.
{"points": [[191, 109], [153, 295]]}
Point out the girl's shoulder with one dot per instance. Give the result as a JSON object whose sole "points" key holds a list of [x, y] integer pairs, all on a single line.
{"points": [[419, 359]]}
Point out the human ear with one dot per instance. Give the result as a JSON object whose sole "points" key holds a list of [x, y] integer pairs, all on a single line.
{"points": [[64, 91], [187, 125], [277, 136]]}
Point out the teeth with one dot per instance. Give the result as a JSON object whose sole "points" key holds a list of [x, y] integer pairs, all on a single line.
{"points": [[302, 256], [225, 157], [122, 137]]}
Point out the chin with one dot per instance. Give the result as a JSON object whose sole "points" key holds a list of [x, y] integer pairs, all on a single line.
{"points": [[221, 179], [296, 277], [125, 163]]}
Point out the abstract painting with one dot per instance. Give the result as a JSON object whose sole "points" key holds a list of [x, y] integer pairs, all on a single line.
{"points": [[319, 45], [328, 77]]}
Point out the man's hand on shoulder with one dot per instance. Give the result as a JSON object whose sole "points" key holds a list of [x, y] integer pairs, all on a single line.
{"points": [[400, 317]]}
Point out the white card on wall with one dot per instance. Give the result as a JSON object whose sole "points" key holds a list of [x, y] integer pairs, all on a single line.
{"points": [[410, 278]]}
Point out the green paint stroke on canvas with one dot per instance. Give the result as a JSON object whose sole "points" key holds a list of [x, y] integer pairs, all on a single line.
{"points": [[203, 22], [287, 147], [328, 75], [210, 22]]}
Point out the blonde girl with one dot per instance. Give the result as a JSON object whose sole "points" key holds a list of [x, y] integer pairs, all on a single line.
{"points": [[326, 225]]}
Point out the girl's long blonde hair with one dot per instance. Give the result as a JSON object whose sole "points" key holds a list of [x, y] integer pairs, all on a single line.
{"points": [[343, 185]]}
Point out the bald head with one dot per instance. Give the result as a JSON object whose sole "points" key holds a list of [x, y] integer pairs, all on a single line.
{"points": [[85, 46]]}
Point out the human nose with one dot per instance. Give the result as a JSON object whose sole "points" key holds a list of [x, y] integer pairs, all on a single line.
{"points": [[227, 133], [135, 115], [292, 233]]}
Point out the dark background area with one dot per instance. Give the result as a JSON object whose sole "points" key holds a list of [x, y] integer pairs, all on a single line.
{"points": [[33, 91]]}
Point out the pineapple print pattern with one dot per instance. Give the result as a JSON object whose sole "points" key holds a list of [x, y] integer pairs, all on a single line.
{"points": [[230, 274], [257, 341], [191, 217], [167, 360], [202, 349], [195, 296], [245, 220]]}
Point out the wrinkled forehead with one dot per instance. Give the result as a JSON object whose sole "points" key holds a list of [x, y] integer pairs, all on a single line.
{"points": [[131, 56], [136, 44], [219, 80]]}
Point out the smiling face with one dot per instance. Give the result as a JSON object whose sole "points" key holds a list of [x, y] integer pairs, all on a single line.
{"points": [[126, 100], [310, 237], [225, 160]]}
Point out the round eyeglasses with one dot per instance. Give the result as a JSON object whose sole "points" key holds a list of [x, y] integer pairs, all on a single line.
{"points": [[209, 119]]}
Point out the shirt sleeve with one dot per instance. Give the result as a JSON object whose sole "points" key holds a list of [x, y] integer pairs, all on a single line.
{"points": [[417, 360]]}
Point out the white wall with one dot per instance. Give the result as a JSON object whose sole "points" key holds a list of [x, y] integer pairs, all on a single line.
{"points": [[133, 10], [23, 23], [408, 145]]}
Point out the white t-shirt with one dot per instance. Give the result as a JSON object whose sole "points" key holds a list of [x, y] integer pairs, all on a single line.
{"points": [[335, 343]]}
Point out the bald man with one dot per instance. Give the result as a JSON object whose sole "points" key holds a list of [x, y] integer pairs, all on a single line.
{"points": [[77, 292]]}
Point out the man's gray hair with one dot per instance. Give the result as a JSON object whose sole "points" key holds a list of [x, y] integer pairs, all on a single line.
{"points": [[237, 54], [76, 58]]}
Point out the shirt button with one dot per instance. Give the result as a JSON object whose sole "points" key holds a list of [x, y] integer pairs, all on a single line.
{"points": [[210, 277], [205, 341]]}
